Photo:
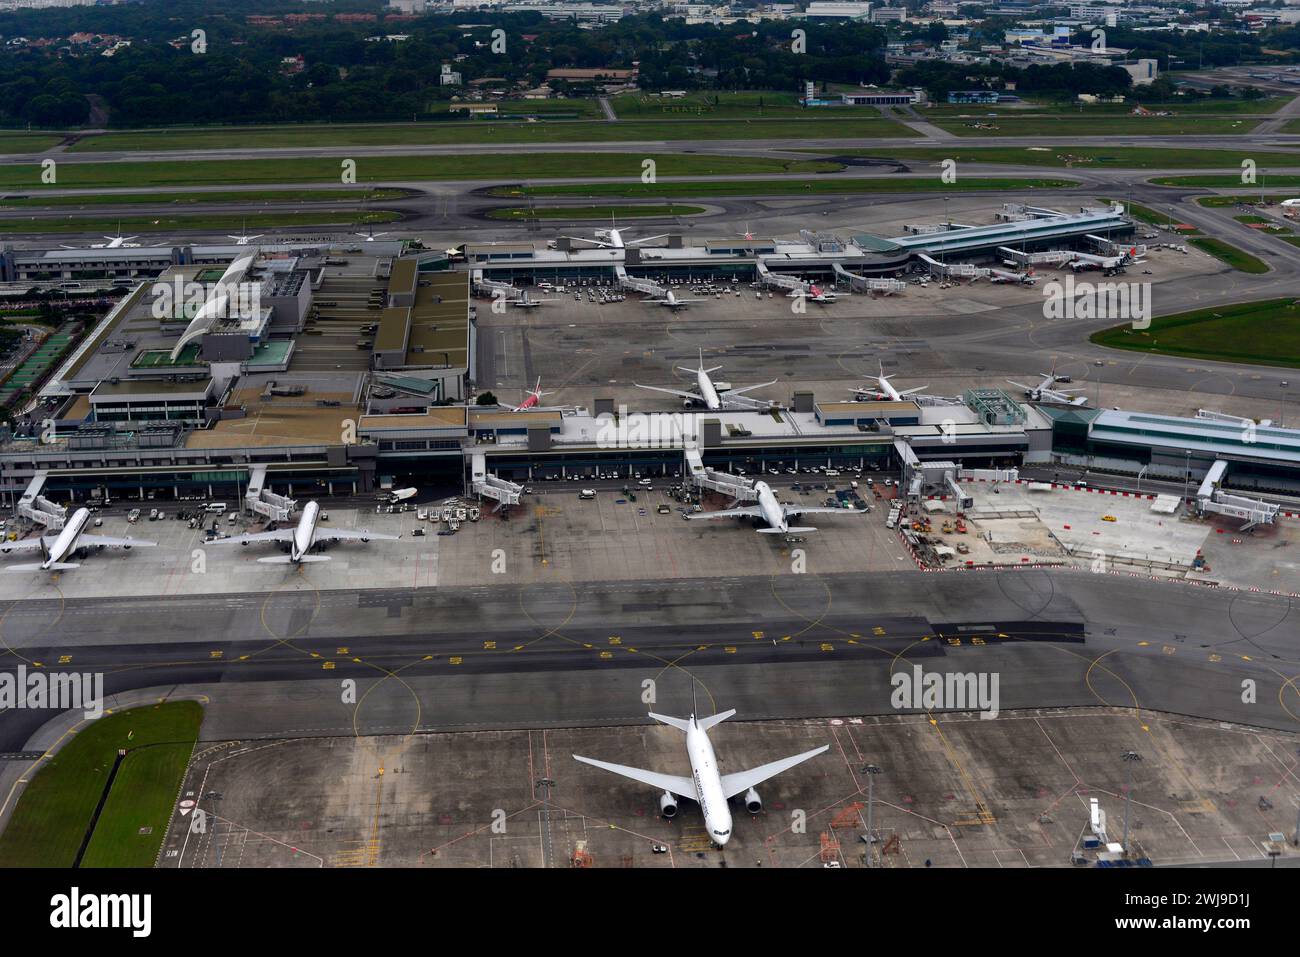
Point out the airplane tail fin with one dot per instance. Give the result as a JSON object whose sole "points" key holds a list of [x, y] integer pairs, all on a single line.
{"points": [[37, 566], [705, 723], [288, 559], [681, 724]]}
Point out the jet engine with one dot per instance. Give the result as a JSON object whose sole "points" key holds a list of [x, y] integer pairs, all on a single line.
{"points": [[667, 805], [753, 803]]}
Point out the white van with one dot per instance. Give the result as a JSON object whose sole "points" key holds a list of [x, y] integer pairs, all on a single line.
{"points": [[831, 473], [644, 483], [587, 493], [215, 507]]}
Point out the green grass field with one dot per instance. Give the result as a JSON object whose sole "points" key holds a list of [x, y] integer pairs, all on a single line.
{"points": [[487, 133], [1250, 199], [1074, 125], [1238, 259], [1154, 217], [702, 104], [55, 810], [594, 212], [1259, 333], [1263, 107], [488, 166], [14, 142], [1233, 181], [1082, 157], [777, 187], [156, 224], [265, 197]]}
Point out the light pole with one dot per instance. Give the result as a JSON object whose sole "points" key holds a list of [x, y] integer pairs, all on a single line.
{"points": [[870, 771], [1130, 758], [1187, 473], [1141, 472]]}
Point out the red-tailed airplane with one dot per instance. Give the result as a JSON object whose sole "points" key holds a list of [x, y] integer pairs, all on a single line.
{"points": [[534, 396]]}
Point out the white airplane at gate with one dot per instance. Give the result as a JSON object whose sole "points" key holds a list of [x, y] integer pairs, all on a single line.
{"points": [[302, 538], [707, 395], [770, 510], [671, 301], [707, 786], [56, 548]]}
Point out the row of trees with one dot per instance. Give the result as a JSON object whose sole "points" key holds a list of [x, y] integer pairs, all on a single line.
{"points": [[239, 77]]}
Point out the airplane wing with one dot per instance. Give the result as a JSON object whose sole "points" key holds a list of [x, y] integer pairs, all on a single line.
{"points": [[733, 784], [793, 511], [347, 535], [280, 535], [681, 786], [749, 511], [1079, 400], [919, 388], [24, 544], [113, 542], [655, 388], [748, 388]]}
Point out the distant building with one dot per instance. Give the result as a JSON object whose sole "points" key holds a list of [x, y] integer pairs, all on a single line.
{"points": [[889, 15], [973, 96], [448, 76], [837, 10], [1144, 72]]}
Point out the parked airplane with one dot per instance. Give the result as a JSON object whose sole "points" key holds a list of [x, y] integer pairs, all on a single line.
{"points": [[770, 510], [707, 786], [1001, 275], [886, 390], [671, 301], [243, 240], [70, 539], [302, 538], [525, 301], [1107, 264], [534, 396], [613, 239], [401, 495], [370, 235], [1041, 392], [706, 393]]}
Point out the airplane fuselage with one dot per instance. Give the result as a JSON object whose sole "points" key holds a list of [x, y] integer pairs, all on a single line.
{"points": [[773, 514], [708, 394], [66, 542], [305, 533], [708, 785]]}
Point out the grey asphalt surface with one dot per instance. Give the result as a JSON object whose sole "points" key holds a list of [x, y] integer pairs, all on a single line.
{"points": [[540, 656]]}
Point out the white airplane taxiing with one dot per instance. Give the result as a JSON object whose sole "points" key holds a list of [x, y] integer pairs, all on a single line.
{"points": [[1041, 392], [707, 786], [770, 510], [886, 390], [302, 538], [707, 395], [55, 549]]}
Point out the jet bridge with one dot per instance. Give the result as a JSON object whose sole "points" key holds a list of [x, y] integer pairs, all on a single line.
{"points": [[261, 501], [955, 270], [867, 284], [485, 485], [708, 480], [1211, 500], [491, 287], [36, 508], [636, 284]]}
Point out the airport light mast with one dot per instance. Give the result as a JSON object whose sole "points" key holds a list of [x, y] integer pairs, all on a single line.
{"points": [[1129, 758], [870, 771]]}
